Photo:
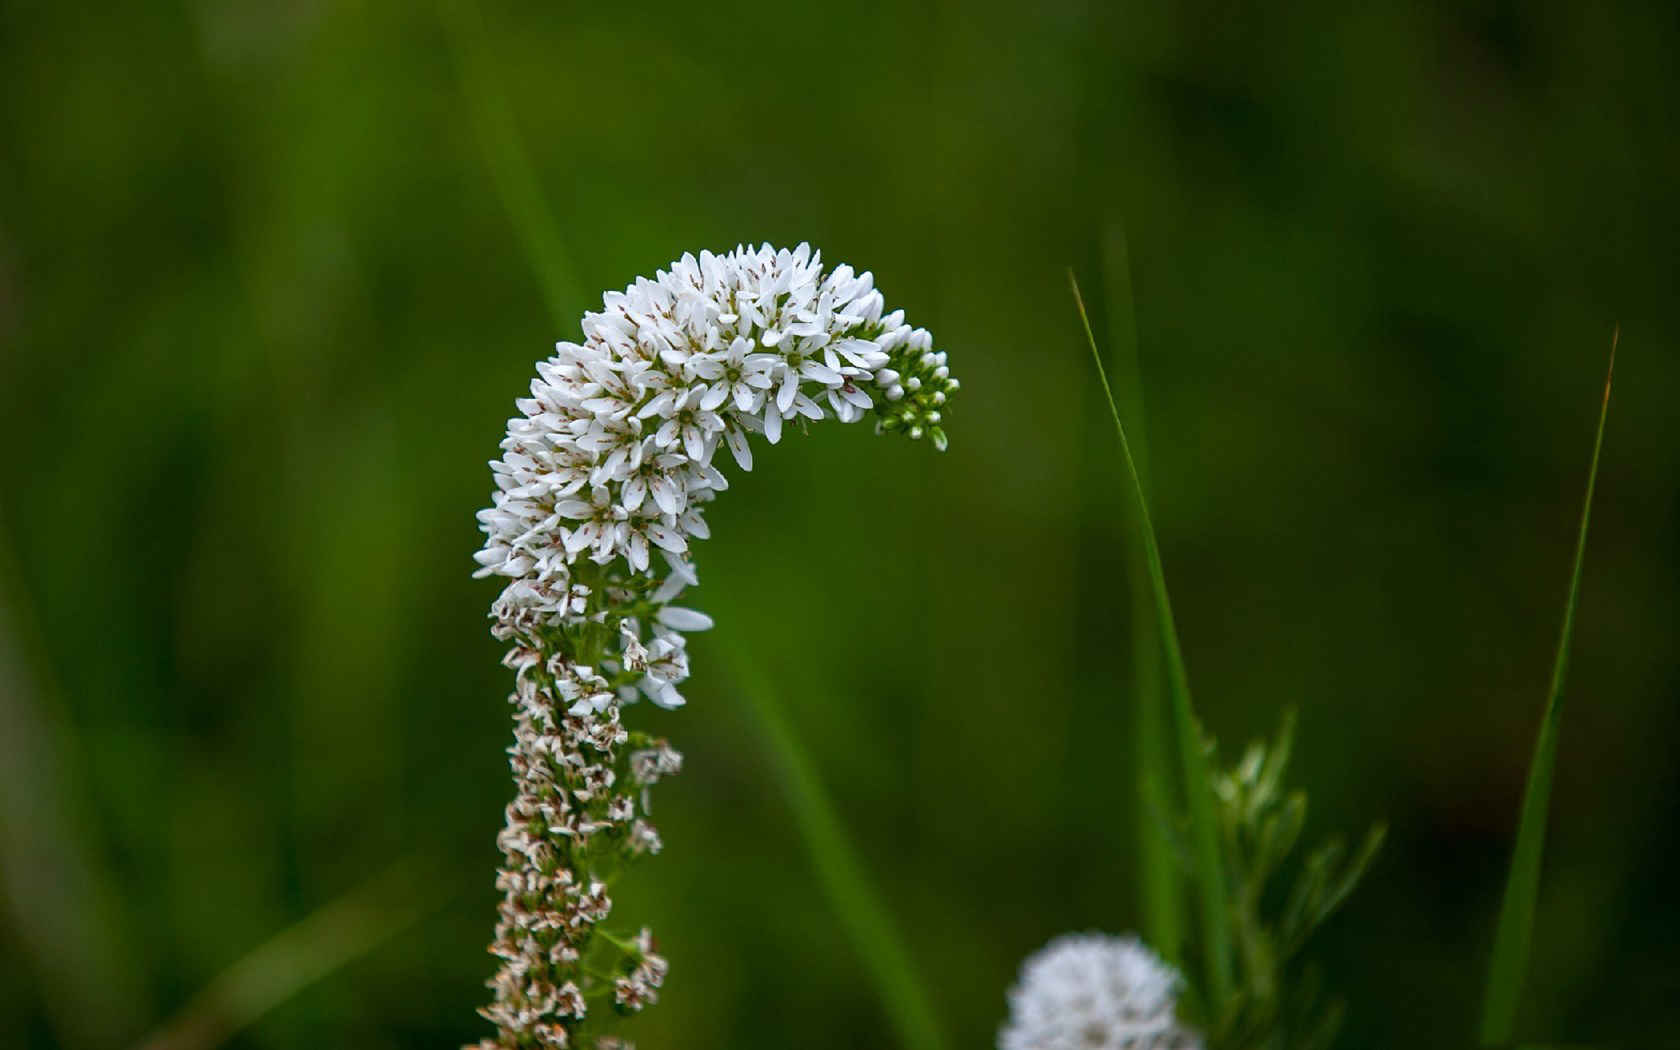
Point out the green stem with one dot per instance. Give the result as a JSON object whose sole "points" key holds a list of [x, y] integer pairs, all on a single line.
{"points": [[1522, 887], [1163, 918], [1198, 784], [510, 166], [843, 880], [301, 954]]}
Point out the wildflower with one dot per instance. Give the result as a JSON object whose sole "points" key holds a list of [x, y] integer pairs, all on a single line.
{"points": [[599, 493], [1095, 992]]}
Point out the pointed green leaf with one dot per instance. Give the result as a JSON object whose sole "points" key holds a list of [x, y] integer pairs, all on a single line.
{"points": [[1204, 827], [1522, 886]]}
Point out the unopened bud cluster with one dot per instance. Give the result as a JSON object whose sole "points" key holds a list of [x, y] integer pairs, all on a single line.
{"points": [[610, 461], [915, 397]]}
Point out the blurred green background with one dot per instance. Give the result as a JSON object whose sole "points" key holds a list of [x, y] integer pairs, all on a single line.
{"points": [[263, 312]]}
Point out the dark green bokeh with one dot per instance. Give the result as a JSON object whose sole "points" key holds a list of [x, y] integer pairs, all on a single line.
{"points": [[263, 313]]}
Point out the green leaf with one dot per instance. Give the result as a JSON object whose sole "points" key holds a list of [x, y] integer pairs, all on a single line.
{"points": [[1279, 831], [1270, 781], [1309, 889], [1162, 900], [1338, 889], [1511, 943], [1204, 821]]}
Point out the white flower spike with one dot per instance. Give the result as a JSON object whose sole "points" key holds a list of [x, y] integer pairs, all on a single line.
{"points": [[600, 492]]}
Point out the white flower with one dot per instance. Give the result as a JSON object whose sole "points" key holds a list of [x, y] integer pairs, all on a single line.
{"points": [[1095, 992], [735, 374]]}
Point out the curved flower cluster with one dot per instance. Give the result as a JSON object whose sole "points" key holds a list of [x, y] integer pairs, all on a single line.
{"points": [[612, 459], [1095, 992]]}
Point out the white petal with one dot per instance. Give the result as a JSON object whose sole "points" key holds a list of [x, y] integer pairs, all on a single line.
{"points": [[862, 352], [715, 396], [581, 537], [660, 404], [820, 372], [695, 524], [667, 538], [637, 555], [665, 494], [661, 693], [737, 439], [680, 619], [807, 408]]}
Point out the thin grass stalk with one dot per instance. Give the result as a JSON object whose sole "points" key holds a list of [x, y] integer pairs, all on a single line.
{"points": [[1509, 965], [848, 889], [509, 163], [55, 888], [1193, 759], [300, 955], [1161, 904]]}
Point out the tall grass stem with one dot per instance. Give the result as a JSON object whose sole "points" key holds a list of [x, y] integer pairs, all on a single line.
{"points": [[56, 889], [843, 880], [338, 933], [509, 162], [1161, 903], [1509, 965], [1193, 758]]}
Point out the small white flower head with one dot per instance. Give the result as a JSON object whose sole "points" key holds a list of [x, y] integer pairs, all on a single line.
{"points": [[1090, 991]]}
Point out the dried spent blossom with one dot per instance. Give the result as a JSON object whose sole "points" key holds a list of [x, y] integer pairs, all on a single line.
{"points": [[1089, 991], [611, 462]]}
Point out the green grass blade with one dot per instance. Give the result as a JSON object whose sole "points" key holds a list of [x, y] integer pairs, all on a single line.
{"points": [[301, 954], [1511, 943], [59, 900], [864, 917], [1198, 784], [1159, 897], [510, 165]]}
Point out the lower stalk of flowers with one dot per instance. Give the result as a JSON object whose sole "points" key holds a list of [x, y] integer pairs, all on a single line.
{"points": [[579, 813]]}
